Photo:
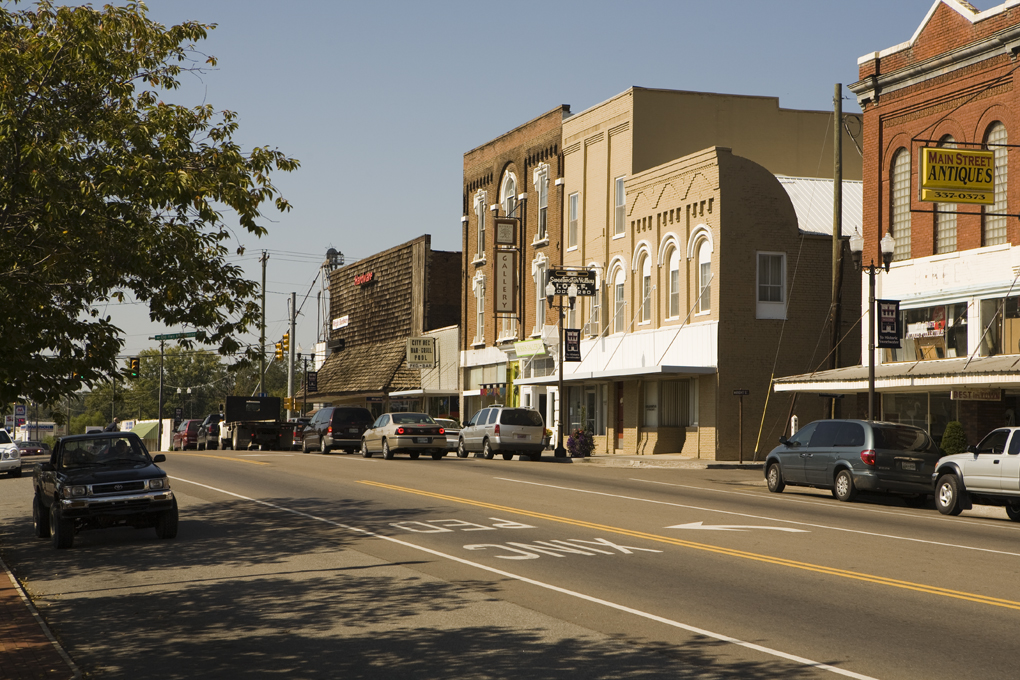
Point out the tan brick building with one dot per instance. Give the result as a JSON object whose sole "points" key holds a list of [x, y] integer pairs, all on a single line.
{"points": [[712, 247], [955, 266], [516, 175]]}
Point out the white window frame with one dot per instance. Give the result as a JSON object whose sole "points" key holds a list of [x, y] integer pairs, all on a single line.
{"points": [[508, 194], [541, 182], [770, 309], [481, 206], [994, 226], [704, 255], [620, 204], [539, 267], [478, 284], [573, 207], [619, 301], [900, 171], [674, 283], [646, 289]]}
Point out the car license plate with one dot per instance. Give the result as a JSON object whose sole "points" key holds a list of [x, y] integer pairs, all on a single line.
{"points": [[520, 436], [422, 440], [907, 465], [353, 430]]}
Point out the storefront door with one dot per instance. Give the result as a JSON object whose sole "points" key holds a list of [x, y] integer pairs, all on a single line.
{"points": [[619, 415]]}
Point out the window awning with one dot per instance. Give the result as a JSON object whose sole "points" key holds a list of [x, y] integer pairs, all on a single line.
{"points": [[621, 374], [1001, 371]]}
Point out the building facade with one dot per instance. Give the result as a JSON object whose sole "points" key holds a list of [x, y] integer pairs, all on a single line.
{"points": [[517, 175], [677, 201], [376, 305], [956, 266]]}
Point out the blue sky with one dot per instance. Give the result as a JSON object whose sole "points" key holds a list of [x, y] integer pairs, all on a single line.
{"points": [[380, 100]]}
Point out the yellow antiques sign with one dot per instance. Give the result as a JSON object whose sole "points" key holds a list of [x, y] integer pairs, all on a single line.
{"points": [[957, 176]]}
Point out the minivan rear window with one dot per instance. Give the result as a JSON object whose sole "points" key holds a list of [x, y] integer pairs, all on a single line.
{"points": [[900, 438], [352, 415], [521, 416]]}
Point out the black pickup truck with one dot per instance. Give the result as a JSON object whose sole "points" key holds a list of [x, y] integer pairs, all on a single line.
{"points": [[101, 480]]}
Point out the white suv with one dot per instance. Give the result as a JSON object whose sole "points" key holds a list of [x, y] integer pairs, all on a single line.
{"points": [[10, 456], [507, 429], [987, 474]]}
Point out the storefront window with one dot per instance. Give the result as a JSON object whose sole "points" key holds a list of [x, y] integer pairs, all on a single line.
{"points": [[938, 332], [1001, 318]]}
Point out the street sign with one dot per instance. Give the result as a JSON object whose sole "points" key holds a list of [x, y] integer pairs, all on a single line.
{"points": [[741, 393], [312, 381], [584, 279], [174, 336]]}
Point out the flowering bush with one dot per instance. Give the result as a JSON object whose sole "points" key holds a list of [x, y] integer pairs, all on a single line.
{"points": [[580, 443]]}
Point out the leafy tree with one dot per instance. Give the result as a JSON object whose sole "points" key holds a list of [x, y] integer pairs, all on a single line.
{"points": [[954, 439], [106, 191]]}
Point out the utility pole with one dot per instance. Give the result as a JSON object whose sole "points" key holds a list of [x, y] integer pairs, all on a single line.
{"points": [[262, 326], [290, 354], [836, 316]]}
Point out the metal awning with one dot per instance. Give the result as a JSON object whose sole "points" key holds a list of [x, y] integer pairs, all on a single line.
{"points": [[425, 393], [1001, 371], [625, 373]]}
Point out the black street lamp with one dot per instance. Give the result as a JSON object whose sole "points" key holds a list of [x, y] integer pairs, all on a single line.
{"points": [[887, 244], [550, 292]]}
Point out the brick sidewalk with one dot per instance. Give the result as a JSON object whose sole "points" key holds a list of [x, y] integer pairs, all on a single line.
{"points": [[26, 649]]}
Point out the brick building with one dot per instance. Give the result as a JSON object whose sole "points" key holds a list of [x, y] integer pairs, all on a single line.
{"points": [[376, 304], [955, 265], [516, 175], [709, 230]]}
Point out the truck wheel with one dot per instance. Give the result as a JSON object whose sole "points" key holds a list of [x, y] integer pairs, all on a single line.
{"points": [[947, 495], [1013, 512], [438, 455], [413, 455], [40, 519], [323, 449], [210, 446], [386, 453], [166, 522], [63, 529], [509, 455], [234, 444]]}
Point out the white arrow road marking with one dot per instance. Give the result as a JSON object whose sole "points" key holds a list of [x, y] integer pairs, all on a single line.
{"points": [[734, 527]]}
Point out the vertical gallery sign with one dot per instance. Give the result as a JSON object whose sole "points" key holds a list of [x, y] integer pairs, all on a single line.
{"points": [[505, 290], [888, 317]]}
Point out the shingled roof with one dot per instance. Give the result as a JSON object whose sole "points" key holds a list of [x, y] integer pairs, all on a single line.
{"points": [[379, 367]]}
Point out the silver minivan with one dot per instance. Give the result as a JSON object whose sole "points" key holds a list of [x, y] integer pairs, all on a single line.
{"points": [[508, 430], [850, 455]]}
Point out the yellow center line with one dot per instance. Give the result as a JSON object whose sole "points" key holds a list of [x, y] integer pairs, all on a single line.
{"points": [[780, 561], [209, 455]]}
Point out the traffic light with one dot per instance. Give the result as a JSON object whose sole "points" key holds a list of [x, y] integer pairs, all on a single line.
{"points": [[279, 350], [288, 403], [286, 342], [133, 367]]}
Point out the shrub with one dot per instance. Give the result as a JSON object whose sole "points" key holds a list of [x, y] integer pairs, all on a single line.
{"points": [[953, 439], [580, 443]]}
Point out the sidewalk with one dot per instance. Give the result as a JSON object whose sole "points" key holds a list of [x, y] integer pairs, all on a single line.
{"points": [[663, 460]]}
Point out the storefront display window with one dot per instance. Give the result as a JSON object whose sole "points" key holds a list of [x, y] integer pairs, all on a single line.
{"points": [[938, 332], [1001, 318]]}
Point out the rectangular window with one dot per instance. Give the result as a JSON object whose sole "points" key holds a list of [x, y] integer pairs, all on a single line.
{"points": [[480, 313], [705, 301], [901, 205], [572, 221], [543, 207], [675, 403], [593, 319], [771, 286], [646, 298], [674, 293], [618, 320], [540, 301], [621, 207]]}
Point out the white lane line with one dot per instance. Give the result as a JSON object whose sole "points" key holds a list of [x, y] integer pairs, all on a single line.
{"points": [[849, 507], [758, 517], [548, 586]]}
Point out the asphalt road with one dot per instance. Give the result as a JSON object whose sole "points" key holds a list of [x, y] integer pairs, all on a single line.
{"points": [[310, 566]]}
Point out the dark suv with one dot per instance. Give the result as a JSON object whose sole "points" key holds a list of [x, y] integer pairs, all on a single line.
{"points": [[100, 480], [336, 427], [209, 432]]}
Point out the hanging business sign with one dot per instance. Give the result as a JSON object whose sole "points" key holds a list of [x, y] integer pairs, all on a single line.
{"points": [[341, 322], [571, 344], [505, 276], [529, 348], [957, 176], [584, 279], [421, 353], [888, 317], [312, 381], [506, 231]]}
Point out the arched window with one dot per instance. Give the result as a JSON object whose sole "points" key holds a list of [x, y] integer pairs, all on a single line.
{"points": [[619, 302], [704, 276], [646, 289], [508, 194], [539, 266], [900, 226], [945, 215], [674, 283], [478, 284], [480, 209], [993, 228], [595, 304], [541, 181]]}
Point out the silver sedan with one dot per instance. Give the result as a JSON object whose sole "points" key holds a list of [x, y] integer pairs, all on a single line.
{"points": [[411, 433]]}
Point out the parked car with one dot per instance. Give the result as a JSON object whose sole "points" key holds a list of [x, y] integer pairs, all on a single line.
{"points": [[847, 456], [208, 437], [336, 427], [10, 455], [411, 433], [452, 428], [185, 436], [504, 429], [95, 481], [300, 423], [986, 474], [33, 448]]}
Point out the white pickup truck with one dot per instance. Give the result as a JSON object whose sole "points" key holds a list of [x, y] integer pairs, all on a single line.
{"points": [[986, 474]]}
